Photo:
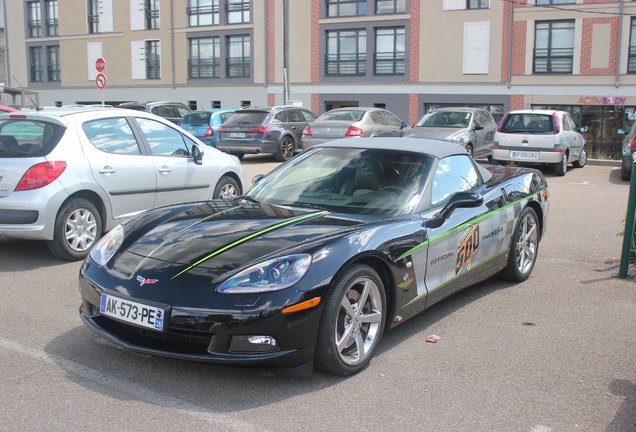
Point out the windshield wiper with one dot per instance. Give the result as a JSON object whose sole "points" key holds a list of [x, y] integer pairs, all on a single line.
{"points": [[248, 198], [12, 152]]}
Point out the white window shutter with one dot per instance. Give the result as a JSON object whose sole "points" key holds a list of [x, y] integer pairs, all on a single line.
{"points": [[476, 47], [94, 52], [105, 13], [138, 59], [137, 18], [454, 4]]}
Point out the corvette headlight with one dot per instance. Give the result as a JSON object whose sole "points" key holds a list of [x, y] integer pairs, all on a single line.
{"points": [[272, 275], [107, 246]]}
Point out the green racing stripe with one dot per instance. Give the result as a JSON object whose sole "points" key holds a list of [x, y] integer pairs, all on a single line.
{"points": [[250, 237]]}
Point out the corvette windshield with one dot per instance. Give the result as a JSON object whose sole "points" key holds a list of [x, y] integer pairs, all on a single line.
{"points": [[349, 180]]}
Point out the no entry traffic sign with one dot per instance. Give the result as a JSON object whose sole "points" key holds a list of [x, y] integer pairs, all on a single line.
{"points": [[100, 64], [100, 81]]}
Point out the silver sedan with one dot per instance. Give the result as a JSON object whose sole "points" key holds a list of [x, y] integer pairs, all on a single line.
{"points": [[353, 122]]}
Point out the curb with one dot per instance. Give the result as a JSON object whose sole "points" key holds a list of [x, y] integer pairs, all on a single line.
{"points": [[604, 162]]}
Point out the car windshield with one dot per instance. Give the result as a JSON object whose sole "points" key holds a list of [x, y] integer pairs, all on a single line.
{"points": [[447, 119], [196, 119], [349, 180], [533, 123], [22, 138], [342, 115]]}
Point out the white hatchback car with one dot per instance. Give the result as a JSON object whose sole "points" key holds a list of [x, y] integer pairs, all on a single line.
{"points": [[68, 175], [540, 137]]}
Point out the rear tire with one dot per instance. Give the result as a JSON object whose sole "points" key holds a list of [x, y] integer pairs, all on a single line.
{"points": [[524, 247], [352, 322], [626, 175], [285, 149], [77, 227], [561, 168], [469, 149]]}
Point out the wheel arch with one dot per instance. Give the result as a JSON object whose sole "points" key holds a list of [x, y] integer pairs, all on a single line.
{"points": [[381, 267], [234, 177], [94, 199], [539, 211]]}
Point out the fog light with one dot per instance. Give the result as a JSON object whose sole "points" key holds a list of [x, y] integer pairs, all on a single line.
{"points": [[254, 343]]}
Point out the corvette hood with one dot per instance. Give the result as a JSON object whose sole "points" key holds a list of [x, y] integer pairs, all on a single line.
{"points": [[220, 236]]}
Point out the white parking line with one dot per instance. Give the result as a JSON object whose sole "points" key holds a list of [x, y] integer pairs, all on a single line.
{"points": [[135, 390]]}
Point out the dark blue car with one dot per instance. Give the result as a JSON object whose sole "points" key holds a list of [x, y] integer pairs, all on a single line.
{"points": [[205, 124]]}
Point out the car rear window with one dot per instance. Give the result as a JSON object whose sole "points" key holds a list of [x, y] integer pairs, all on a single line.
{"points": [[248, 117], [529, 122], [28, 138], [196, 119]]}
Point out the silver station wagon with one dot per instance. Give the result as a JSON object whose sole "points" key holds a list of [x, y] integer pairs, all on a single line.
{"points": [[540, 137], [68, 175]]}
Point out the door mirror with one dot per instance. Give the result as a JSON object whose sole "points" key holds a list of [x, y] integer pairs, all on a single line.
{"points": [[257, 178], [621, 131], [583, 129], [459, 200], [197, 154]]}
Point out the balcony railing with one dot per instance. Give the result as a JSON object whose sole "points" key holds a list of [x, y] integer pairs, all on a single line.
{"points": [[204, 68], [54, 72], [553, 61], [37, 73], [153, 69], [631, 60], [388, 63], [345, 64], [238, 67]]}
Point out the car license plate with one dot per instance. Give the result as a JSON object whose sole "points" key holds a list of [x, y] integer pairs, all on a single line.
{"points": [[524, 155], [132, 312], [237, 135], [193, 132]]}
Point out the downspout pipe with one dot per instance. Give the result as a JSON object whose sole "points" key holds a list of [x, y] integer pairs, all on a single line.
{"points": [[510, 22], [620, 39], [172, 41], [285, 51]]}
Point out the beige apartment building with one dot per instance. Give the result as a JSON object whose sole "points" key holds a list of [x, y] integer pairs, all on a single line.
{"points": [[408, 56]]}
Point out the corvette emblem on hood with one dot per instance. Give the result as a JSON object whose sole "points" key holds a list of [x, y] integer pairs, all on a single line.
{"points": [[143, 281]]}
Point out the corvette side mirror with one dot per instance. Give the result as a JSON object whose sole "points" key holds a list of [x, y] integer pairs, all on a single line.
{"points": [[459, 200]]}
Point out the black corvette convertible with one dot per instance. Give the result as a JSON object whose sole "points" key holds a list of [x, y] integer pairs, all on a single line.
{"points": [[318, 259]]}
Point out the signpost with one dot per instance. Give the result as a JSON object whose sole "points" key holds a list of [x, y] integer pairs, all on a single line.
{"points": [[100, 79]]}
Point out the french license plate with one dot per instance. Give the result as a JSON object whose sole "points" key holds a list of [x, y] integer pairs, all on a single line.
{"points": [[237, 135], [524, 155], [193, 132], [132, 312]]}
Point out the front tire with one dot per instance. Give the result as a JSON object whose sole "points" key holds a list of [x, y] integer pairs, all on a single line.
{"points": [[285, 149], [469, 149], [77, 227], [524, 247], [561, 168], [226, 188], [582, 159], [352, 322]]}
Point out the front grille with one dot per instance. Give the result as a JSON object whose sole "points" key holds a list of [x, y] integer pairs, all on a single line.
{"points": [[178, 341]]}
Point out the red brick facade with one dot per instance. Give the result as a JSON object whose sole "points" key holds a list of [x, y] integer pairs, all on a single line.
{"points": [[315, 103], [413, 109], [586, 45], [414, 40], [271, 45], [516, 102], [315, 42], [271, 99]]}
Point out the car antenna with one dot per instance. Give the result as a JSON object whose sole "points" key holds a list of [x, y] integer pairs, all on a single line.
{"points": [[37, 108]]}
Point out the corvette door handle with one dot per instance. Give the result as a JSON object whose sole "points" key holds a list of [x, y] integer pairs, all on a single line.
{"points": [[165, 170], [107, 170]]}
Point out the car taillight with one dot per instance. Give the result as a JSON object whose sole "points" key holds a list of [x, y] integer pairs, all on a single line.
{"points": [[40, 175], [502, 122], [17, 116], [632, 143], [354, 131], [557, 123], [260, 129], [209, 132], [307, 131]]}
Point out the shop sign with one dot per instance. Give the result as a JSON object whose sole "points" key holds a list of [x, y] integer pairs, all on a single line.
{"points": [[602, 100]]}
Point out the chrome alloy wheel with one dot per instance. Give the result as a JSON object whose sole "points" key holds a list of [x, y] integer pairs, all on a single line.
{"points": [[80, 230], [527, 243], [358, 321], [228, 191]]}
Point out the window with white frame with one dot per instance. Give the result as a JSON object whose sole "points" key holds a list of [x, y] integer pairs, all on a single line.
{"points": [[146, 59], [35, 19], [100, 16]]}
